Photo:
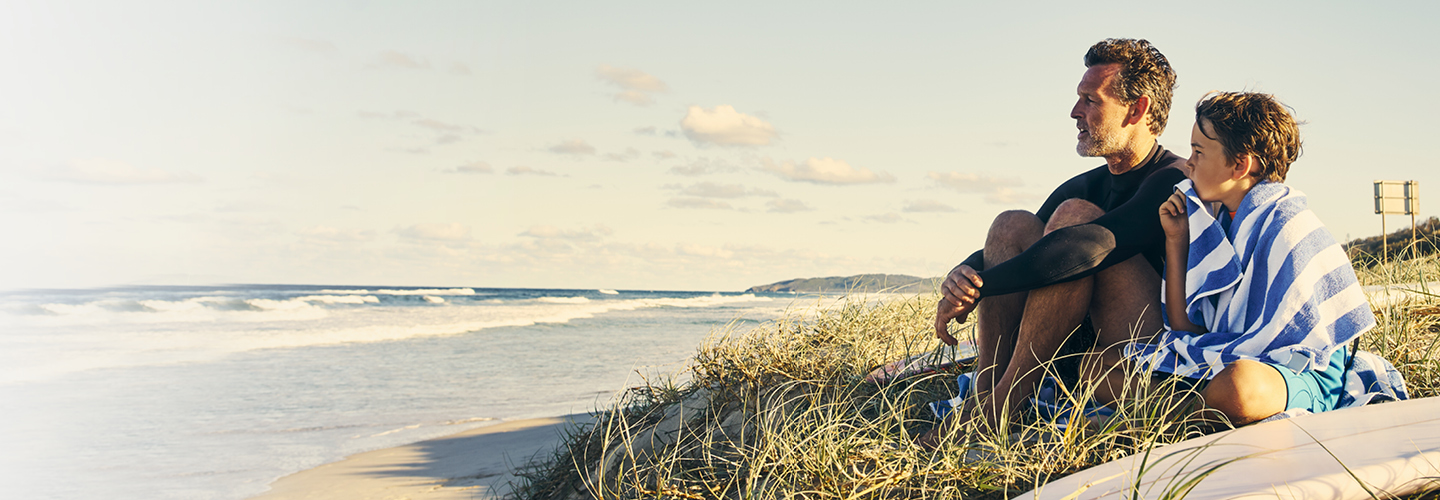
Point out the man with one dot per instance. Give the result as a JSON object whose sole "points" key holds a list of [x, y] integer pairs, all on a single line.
{"points": [[1094, 248]]}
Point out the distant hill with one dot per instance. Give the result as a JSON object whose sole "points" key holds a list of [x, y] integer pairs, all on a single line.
{"points": [[1364, 252], [896, 283]]}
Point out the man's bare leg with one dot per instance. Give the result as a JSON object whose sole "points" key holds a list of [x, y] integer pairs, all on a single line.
{"points": [[1047, 316], [998, 317], [1050, 315], [1125, 308]]}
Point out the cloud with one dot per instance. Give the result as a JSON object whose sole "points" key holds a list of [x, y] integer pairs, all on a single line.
{"points": [[435, 232], [699, 203], [997, 190], [889, 218], [572, 147], [629, 154], [400, 60], [714, 190], [474, 167], [101, 171], [786, 206], [824, 171], [438, 125], [917, 206], [702, 166], [394, 115], [644, 130], [523, 170], [310, 45], [703, 251], [635, 85], [446, 133], [240, 206], [663, 155], [1007, 196], [724, 126], [336, 234], [551, 232], [972, 183], [459, 69]]}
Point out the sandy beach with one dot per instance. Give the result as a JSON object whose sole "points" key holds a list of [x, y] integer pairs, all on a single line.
{"points": [[475, 464]]}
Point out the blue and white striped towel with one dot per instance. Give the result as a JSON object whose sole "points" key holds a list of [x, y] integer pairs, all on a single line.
{"points": [[1279, 290]]}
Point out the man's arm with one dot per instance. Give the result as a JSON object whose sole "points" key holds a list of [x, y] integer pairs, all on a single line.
{"points": [[961, 289], [1078, 251]]}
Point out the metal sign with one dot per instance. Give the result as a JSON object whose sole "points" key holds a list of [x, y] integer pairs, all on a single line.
{"points": [[1397, 197]]}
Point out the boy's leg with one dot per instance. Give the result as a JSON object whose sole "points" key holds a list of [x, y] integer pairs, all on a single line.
{"points": [[1252, 390], [1247, 391], [1244, 392]]}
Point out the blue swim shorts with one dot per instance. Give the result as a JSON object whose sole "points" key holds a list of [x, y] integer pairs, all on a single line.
{"points": [[1315, 390]]}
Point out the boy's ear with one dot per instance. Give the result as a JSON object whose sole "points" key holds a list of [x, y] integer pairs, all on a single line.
{"points": [[1245, 165]]}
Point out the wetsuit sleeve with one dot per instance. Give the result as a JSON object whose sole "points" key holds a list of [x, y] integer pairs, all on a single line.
{"points": [[976, 260], [1076, 252]]}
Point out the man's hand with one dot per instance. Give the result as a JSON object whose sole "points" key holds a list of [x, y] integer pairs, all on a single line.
{"points": [[1173, 219], [961, 291]]}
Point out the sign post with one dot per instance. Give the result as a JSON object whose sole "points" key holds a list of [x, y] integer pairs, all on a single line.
{"points": [[1396, 197]]}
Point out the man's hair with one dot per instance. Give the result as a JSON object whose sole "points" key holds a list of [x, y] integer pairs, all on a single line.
{"points": [[1144, 71], [1255, 124]]}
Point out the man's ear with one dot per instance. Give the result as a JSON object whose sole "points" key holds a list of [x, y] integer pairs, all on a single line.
{"points": [[1246, 164], [1138, 110]]}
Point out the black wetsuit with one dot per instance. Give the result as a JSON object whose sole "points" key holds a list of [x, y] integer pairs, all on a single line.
{"points": [[1130, 226]]}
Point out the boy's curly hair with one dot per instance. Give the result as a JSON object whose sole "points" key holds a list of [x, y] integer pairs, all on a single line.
{"points": [[1255, 124]]}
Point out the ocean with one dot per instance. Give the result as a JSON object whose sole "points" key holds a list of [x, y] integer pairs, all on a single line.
{"points": [[214, 392]]}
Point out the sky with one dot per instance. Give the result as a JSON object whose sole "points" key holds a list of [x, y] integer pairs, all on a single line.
{"points": [[625, 145]]}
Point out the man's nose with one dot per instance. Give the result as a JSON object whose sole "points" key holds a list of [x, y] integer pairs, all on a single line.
{"points": [[1075, 111]]}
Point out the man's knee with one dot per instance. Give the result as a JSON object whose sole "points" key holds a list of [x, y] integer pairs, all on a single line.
{"points": [[1073, 212], [1015, 227], [1012, 232], [1246, 391]]}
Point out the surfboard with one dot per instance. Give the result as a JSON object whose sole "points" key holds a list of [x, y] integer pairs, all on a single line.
{"points": [[1382, 449], [945, 357]]}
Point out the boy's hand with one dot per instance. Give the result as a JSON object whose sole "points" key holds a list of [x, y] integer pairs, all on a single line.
{"points": [[1174, 220]]}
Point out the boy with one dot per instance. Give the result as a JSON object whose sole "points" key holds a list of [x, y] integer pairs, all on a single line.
{"points": [[1259, 299]]}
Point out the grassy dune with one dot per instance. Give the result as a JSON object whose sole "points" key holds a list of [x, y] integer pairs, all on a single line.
{"points": [[781, 411]]}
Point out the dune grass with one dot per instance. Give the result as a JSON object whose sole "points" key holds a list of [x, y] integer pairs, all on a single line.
{"points": [[782, 411]]}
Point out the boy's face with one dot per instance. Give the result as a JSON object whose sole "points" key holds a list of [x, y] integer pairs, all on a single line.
{"points": [[1212, 171]]}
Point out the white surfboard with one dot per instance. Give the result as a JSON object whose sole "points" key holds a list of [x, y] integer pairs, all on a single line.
{"points": [[1389, 449], [943, 358]]}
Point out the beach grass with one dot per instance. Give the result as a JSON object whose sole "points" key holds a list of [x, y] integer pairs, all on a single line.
{"points": [[782, 410]]}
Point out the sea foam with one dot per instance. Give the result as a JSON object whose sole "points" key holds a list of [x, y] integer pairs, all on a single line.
{"points": [[155, 328]]}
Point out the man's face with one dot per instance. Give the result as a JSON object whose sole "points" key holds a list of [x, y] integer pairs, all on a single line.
{"points": [[1098, 113]]}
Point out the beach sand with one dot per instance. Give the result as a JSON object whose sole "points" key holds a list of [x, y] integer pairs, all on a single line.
{"points": [[475, 464]]}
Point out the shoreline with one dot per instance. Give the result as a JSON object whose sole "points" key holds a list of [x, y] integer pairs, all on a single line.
{"points": [[474, 464]]}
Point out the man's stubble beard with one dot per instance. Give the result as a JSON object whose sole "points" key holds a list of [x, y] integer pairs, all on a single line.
{"points": [[1100, 143]]}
